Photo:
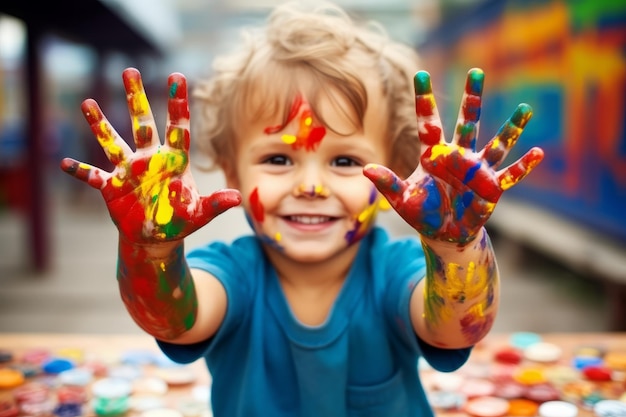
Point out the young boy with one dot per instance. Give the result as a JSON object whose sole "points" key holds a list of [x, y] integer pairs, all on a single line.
{"points": [[319, 313]]}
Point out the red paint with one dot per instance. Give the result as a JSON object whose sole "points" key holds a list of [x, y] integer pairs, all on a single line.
{"points": [[293, 112], [256, 206], [424, 105]]}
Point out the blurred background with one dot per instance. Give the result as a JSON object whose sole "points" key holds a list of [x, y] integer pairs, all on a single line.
{"points": [[560, 235]]}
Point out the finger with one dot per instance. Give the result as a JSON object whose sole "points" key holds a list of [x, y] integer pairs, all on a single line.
{"points": [[115, 148], [429, 127], [144, 127], [177, 127], [218, 202], [498, 148], [387, 182], [469, 112], [89, 174], [515, 172]]}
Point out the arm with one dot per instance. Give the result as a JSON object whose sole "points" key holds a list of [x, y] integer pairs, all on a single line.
{"points": [[448, 199], [153, 201]]}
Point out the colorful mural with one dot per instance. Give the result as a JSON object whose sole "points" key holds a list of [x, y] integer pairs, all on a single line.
{"points": [[567, 59]]}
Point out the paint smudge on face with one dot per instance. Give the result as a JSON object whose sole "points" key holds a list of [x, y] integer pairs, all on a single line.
{"points": [[312, 191], [364, 221], [309, 134], [256, 207]]}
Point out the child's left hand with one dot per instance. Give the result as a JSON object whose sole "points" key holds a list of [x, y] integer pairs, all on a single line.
{"points": [[454, 190]]}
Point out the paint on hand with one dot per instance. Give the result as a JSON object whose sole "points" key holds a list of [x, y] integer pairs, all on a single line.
{"points": [[309, 134], [471, 288]]}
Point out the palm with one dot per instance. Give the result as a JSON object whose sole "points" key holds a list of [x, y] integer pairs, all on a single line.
{"points": [[454, 190], [150, 194]]}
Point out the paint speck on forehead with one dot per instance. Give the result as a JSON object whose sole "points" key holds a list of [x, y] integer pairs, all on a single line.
{"points": [[309, 133]]}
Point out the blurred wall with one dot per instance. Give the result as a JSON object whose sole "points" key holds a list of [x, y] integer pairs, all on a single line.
{"points": [[567, 59]]}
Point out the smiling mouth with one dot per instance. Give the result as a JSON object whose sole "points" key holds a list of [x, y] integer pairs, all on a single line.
{"points": [[309, 219]]}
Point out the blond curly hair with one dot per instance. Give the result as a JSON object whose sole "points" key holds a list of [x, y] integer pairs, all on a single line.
{"points": [[319, 52]]}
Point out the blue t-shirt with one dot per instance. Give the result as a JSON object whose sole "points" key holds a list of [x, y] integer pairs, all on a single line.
{"points": [[363, 361]]}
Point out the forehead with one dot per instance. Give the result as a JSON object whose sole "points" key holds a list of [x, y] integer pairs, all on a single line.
{"points": [[342, 106]]}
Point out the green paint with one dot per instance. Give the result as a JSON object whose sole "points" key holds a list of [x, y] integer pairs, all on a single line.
{"points": [[421, 82]]}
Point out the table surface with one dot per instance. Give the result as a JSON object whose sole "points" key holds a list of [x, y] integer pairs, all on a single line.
{"points": [[110, 348]]}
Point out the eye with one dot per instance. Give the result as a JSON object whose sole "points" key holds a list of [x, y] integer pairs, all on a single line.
{"points": [[345, 161], [278, 160]]}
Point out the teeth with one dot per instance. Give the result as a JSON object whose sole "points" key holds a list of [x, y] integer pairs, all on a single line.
{"points": [[309, 219]]}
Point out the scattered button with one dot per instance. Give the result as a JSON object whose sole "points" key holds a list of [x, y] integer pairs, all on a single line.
{"points": [[522, 340], [597, 373], [487, 407], [10, 378], [558, 409], [609, 408], [508, 355], [520, 407], [542, 393], [446, 400], [543, 352], [57, 365]]}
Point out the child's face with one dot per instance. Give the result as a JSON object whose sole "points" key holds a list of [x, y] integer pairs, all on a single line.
{"points": [[302, 184]]}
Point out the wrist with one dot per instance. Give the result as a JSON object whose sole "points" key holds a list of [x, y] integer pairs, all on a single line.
{"points": [[441, 245], [150, 251]]}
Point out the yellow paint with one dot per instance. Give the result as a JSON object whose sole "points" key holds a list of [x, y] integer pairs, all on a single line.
{"points": [[289, 139], [439, 150], [308, 121], [460, 287], [506, 182], [162, 266], [161, 211], [278, 237], [82, 165]]}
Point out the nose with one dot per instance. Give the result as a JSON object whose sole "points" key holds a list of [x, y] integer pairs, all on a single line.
{"points": [[310, 184]]}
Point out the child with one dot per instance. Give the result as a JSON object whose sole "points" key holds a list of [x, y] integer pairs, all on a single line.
{"points": [[319, 313]]}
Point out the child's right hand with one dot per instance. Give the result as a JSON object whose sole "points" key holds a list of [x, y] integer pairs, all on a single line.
{"points": [[150, 194]]}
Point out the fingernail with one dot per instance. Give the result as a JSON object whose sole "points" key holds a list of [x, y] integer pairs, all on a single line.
{"points": [[421, 83], [475, 81]]}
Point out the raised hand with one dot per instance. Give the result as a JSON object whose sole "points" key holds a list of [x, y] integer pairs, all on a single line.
{"points": [[150, 194], [454, 190]]}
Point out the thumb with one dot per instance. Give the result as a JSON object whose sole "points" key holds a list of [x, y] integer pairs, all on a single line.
{"points": [[218, 202], [387, 182]]}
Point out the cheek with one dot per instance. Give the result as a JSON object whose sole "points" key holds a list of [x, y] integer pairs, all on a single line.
{"points": [[364, 214]]}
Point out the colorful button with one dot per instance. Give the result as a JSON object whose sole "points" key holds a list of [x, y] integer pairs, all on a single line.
{"points": [[530, 376], [446, 400], [522, 340], [8, 409], [31, 392], [542, 393], [10, 378], [597, 373], [487, 407], [609, 408], [558, 409], [508, 355], [57, 365], [615, 360], [543, 352], [522, 408], [475, 387]]}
